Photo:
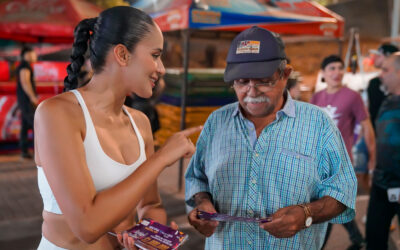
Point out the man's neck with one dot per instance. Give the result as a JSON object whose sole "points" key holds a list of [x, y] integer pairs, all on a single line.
{"points": [[397, 92], [332, 90], [261, 122]]}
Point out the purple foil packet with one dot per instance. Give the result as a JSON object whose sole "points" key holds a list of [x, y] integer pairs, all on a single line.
{"points": [[152, 235], [225, 217]]}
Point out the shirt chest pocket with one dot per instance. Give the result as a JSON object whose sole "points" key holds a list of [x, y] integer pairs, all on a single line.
{"points": [[295, 170]]}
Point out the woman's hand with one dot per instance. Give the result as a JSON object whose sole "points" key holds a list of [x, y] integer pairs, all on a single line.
{"points": [[174, 226], [129, 243], [126, 241], [178, 145]]}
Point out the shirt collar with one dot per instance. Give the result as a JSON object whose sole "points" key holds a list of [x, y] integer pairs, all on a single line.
{"points": [[289, 108]]}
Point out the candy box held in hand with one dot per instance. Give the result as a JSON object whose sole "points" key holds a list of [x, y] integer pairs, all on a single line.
{"points": [[224, 217], [152, 235]]}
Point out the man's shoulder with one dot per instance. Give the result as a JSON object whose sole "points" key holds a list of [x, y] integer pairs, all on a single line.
{"points": [[374, 81], [307, 110], [23, 65], [318, 93], [222, 116], [305, 106], [347, 94], [227, 109], [349, 91], [317, 96]]}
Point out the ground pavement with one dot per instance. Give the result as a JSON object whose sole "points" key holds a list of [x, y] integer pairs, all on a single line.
{"points": [[21, 206]]}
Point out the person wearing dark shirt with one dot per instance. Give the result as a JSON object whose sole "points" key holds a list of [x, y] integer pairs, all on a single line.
{"points": [[384, 197], [375, 90], [26, 96]]}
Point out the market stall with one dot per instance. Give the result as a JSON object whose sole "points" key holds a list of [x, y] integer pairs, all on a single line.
{"points": [[43, 21], [48, 76], [39, 22]]}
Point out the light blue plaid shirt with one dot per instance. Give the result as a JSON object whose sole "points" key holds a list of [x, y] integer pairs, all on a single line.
{"points": [[298, 158]]}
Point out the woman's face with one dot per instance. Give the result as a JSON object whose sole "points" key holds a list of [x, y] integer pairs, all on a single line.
{"points": [[333, 74], [145, 67]]}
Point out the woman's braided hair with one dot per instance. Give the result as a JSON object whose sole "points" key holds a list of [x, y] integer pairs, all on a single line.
{"points": [[81, 38], [119, 25]]}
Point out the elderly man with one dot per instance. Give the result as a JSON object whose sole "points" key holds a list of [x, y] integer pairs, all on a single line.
{"points": [[384, 197], [268, 155], [375, 90]]}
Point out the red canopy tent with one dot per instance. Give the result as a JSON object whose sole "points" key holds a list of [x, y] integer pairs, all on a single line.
{"points": [[36, 21], [51, 21]]}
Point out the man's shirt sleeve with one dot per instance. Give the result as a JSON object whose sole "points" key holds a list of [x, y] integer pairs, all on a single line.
{"points": [[337, 174], [196, 180]]}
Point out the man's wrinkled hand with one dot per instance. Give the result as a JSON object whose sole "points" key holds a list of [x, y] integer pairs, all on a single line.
{"points": [[205, 227], [286, 222]]}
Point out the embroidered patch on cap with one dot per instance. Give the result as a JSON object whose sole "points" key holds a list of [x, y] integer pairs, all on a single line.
{"points": [[248, 47]]}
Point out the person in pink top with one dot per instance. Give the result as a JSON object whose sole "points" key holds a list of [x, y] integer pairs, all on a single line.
{"points": [[346, 109]]}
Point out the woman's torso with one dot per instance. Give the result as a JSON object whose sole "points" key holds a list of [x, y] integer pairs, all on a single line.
{"points": [[112, 145]]}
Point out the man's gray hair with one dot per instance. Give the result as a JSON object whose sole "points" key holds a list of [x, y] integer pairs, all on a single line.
{"points": [[282, 67]]}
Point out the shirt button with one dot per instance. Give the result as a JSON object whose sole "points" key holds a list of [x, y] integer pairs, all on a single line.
{"points": [[251, 212], [256, 154], [254, 181], [249, 242]]}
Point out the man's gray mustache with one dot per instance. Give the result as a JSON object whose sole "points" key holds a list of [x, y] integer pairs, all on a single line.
{"points": [[258, 99]]}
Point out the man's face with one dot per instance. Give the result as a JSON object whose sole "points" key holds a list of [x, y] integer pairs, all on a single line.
{"points": [[378, 60], [333, 74], [260, 101], [30, 56], [390, 77]]}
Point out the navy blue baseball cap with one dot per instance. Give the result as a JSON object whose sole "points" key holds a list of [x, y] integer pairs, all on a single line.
{"points": [[254, 53]]}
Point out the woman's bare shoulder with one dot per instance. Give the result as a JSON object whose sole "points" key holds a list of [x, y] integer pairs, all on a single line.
{"points": [[63, 107], [141, 120]]}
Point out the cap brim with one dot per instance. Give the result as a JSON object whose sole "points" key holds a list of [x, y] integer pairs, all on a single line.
{"points": [[234, 71], [374, 51]]}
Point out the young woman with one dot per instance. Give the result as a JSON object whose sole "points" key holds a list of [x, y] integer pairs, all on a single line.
{"points": [[97, 168]]}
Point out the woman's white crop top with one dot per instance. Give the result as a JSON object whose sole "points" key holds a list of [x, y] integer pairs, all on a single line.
{"points": [[105, 171]]}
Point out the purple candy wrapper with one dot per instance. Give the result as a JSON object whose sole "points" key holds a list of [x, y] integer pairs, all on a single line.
{"points": [[151, 235], [225, 217]]}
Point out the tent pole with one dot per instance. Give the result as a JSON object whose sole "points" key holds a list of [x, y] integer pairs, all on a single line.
{"points": [[185, 38], [340, 47], [394, 32]]}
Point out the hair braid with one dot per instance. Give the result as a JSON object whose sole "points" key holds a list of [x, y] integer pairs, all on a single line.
{"points": [[79, 48]]}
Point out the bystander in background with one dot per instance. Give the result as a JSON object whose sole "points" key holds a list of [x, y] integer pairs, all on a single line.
{"points": [[376, 91], [385, 190], [293, 85], [346, 108], [26, 96]]}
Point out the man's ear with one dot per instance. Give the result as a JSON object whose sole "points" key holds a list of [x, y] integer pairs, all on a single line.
{"points": [[287, 71], [121, 54]]}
